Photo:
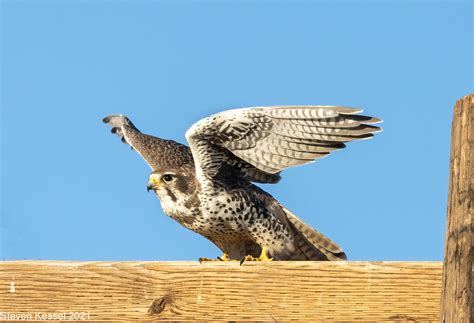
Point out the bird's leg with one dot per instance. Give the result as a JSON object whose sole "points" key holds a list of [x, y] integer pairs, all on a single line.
{"points": [[263, 257], [224, 257]]}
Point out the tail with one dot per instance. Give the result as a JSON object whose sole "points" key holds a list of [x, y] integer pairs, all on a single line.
{"points": [[313, 244]]}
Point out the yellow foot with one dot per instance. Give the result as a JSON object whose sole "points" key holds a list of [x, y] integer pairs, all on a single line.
{"points": [[263, 257], [224, 257], [201, 259]]}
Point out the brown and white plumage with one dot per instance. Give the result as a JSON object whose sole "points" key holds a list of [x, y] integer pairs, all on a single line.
{"points": [[275, 138], [211, 190]]}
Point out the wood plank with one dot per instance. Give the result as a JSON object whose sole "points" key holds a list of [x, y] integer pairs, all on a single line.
{"points": [[457, 278], [272, 291]]}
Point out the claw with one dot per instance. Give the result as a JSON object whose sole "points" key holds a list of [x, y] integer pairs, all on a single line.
{"points": [[249, 258], [263, 257], [201, 259], [224, 257]]}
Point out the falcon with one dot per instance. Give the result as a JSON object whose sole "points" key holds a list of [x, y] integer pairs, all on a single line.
{"points": [[209, 187]]}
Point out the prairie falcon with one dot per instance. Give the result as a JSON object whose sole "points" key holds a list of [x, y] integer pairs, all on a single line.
{"points": [[208, 186]]}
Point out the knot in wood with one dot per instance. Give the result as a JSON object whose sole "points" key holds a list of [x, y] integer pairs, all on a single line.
{"points": [[158, 306]]}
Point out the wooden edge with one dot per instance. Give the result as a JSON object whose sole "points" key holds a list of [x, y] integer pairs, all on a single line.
{"points": [[270, 291]]}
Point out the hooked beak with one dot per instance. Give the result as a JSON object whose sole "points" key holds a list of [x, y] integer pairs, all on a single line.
{"points": [[153, 183]]}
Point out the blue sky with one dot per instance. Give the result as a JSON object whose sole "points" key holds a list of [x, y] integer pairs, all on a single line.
{"points": [[70, 190]]}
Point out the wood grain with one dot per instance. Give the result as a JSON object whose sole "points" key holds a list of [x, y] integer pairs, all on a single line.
{"points": [[309, 291], [457, 275]]}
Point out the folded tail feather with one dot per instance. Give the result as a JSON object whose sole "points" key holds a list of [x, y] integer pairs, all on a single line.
{"points": [[313, 244]]}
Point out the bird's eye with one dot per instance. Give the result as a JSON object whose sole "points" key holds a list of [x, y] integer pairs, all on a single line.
{"points": [[167, 178]]}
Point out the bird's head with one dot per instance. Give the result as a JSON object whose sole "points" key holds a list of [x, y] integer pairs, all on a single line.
{"points": [[171, 184]]}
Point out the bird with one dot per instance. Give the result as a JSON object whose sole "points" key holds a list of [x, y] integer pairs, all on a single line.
{"points": [[211, 186]]}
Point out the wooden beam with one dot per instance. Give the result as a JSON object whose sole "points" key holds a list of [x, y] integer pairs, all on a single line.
{"points": [[456, 297], [309, 291]]}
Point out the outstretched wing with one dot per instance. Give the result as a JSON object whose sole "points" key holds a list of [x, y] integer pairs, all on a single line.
{"points": [[158, 153], [274, 138]]}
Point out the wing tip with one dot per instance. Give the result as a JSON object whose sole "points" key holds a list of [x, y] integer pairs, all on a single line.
{"points": [[379, 129], [350, 111], [365, 137], [372, 129], [374, 120]]}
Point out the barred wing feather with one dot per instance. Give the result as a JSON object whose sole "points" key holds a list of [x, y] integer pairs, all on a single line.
{"points": [[274, 138]]}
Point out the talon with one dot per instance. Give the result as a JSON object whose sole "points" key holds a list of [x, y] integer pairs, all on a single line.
{"points": [[243, 260], [263, 257], [248, 258], [201, 259], [224, 257]]}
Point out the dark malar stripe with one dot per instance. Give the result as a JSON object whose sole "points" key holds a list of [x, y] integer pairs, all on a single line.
{"points": [[171, 195]]}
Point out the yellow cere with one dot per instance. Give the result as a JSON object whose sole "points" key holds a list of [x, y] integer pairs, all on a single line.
{"points": [[154, 179]]}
